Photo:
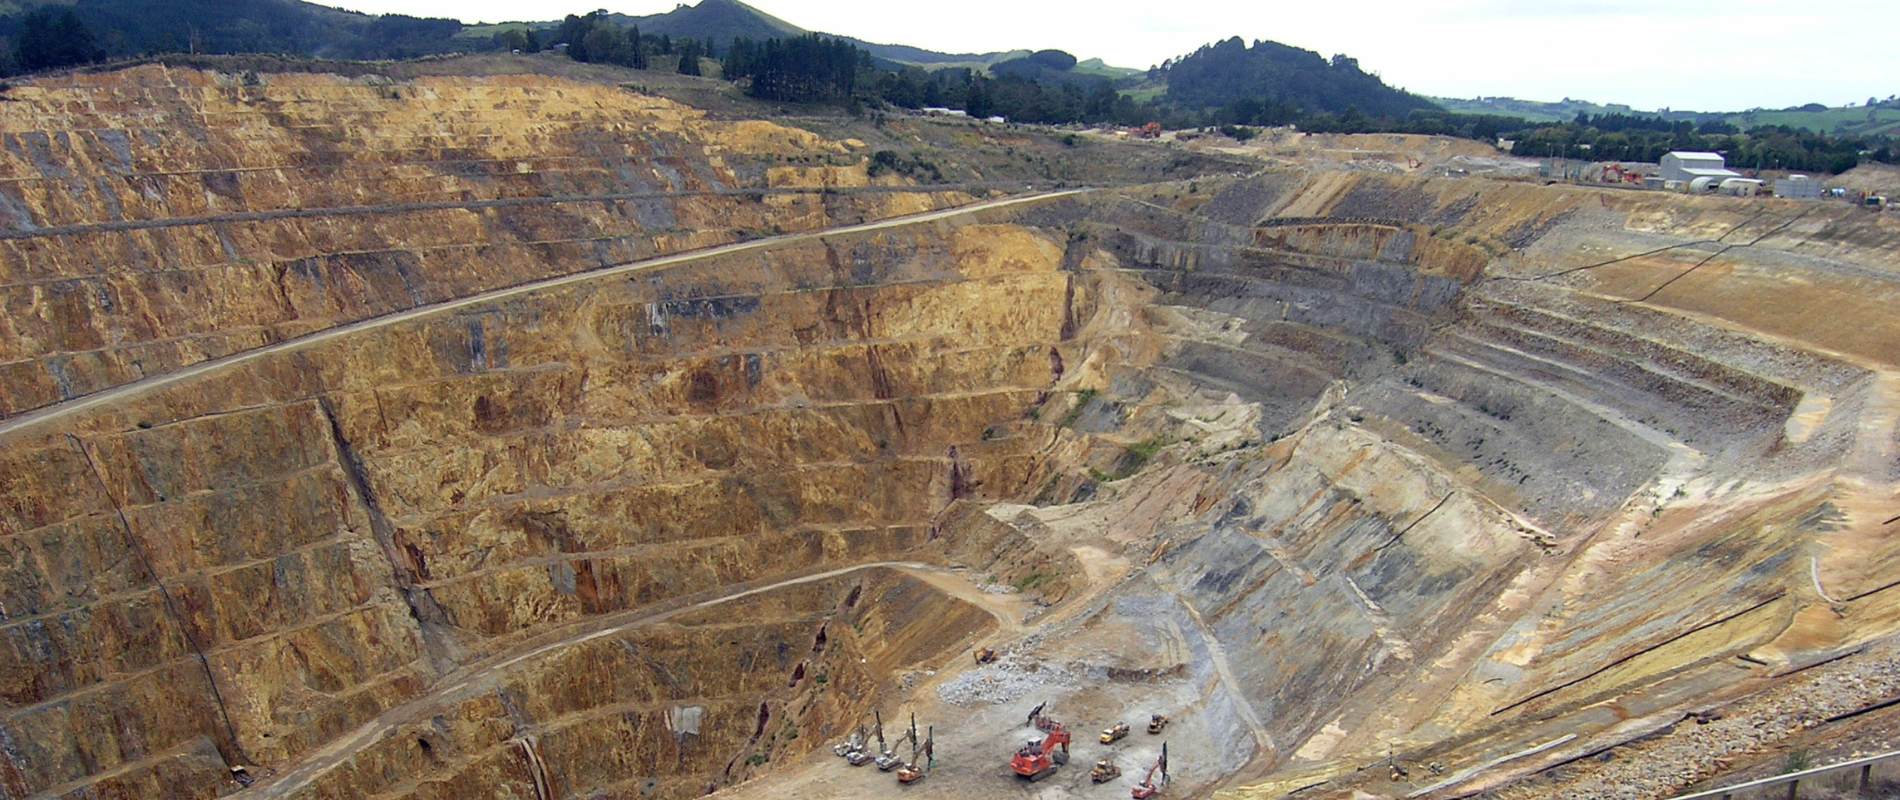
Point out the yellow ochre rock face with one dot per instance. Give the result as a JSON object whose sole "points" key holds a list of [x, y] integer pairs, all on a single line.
{"points": [[1338, 470], [158, 217]]}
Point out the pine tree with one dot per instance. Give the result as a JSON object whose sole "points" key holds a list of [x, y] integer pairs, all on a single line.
{"points": [[54, 37]]}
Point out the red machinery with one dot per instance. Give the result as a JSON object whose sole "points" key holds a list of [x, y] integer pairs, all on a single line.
{"points": [[916, 770], [1615, 173], [1038, 760], [1148, 787]]}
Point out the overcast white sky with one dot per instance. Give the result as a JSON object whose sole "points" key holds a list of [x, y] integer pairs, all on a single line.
{"points": [[1690, 54]]}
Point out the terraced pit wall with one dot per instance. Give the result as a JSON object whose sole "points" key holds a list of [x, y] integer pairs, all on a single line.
{"points": [[1526, 470], [1541, 467], [154, 218], [327, 533]]}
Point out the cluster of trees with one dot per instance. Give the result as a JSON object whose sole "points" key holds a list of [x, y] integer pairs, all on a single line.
{"points": [[1017, 98], [596, 39], [523, 39], [49, 36], [1619, 137], [809, 68], [1269, 83], [1628, 137]]}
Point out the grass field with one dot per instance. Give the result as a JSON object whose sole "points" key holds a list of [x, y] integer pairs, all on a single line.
{"points": [[1843, 120], [1145, 92], [488, 31], [1853, 121], [1095, 66]]}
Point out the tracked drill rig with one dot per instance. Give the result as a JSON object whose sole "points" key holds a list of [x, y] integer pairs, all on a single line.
{"points": [[1038, 760], [854, 744], [887, 760], [860, 754], [916, 770], [1148, 787]]}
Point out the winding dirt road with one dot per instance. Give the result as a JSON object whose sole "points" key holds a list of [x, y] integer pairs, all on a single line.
{"points": [[31, 420], [486, 675]]}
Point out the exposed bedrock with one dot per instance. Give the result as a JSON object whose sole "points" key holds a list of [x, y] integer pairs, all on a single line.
{"points": [[294, 547], [154, 218], [1471, 477]]}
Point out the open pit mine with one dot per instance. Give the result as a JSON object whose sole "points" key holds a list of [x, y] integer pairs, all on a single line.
{"points": [[521, 436]]}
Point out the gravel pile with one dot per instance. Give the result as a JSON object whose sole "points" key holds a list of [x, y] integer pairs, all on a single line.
{"points": [[1009, 679]]}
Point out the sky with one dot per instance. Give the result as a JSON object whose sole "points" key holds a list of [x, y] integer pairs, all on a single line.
{"points": [[1708, 55]]}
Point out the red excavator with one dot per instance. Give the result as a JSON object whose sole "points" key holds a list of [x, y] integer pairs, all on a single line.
{"points": [[1038, 760], [1148, 787]]}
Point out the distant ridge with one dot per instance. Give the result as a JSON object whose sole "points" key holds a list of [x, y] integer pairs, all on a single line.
{"points": [[724, 20]]}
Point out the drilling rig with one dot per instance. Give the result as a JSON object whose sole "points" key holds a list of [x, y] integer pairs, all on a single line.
{"points": [[915, 771], [1148, 788], [888, 760], [1038, 760], [854, 744], [859, 753]]}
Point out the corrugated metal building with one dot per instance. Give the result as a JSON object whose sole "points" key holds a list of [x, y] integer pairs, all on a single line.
{"points": [[1684, 165]]}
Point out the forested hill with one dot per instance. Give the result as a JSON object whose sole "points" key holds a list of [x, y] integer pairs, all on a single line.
{"points": [[85, 30], [1270, 83], [721, 21]]}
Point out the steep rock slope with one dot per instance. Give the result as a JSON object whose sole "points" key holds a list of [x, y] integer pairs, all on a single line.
{"points": [[1542, 466], [1467, 476], [152, 218], [324, 533]]}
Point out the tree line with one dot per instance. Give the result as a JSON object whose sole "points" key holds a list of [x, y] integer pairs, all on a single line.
{"points": [[1230, 84], [809, 68], [594, 38], [53, 36]]}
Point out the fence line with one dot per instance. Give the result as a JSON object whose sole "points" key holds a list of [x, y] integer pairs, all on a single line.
{"points": [[1793, 779]]}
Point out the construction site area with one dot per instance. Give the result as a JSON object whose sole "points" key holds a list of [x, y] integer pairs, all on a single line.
{"points": [[456, 430]]}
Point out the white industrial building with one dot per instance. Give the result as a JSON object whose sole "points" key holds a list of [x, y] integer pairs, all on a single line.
{"points": [[1799, 187], [1686, 166]]}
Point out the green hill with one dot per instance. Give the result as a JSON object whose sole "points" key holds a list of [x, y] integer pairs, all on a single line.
{"points": [[121, 28], [724, 20], [1096, 66], [1268, 82], [1880, 119], [718, 20], [1531, 110]]}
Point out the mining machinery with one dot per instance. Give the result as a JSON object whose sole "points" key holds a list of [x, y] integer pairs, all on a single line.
{"points": [[1038, 760], [887, 760], [916, 770], [1149, 786]]}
